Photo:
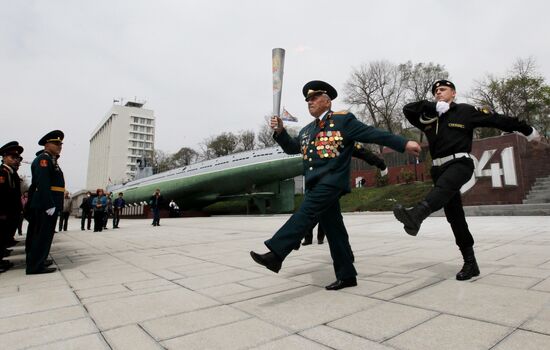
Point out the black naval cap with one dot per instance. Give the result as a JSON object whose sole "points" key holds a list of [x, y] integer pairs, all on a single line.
{"points": [[317, 87], [442, 82], [12, 148], [52, 136]]}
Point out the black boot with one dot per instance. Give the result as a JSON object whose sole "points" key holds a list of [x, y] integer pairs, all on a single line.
{"points": [[269, 260], [470, 268], [412, 218]]}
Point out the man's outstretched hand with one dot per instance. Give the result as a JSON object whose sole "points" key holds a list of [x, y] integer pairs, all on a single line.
{"points": [[412, 147]]}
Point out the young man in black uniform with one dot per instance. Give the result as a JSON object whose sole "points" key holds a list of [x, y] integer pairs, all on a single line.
{"points": [[46, 202], [449, 128], [10, 199], [326, 145]]}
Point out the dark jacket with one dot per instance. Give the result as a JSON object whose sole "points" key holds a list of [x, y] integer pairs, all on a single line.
{"points": [[156, 202], [48, 180], [10, 193], [452, 132], [327, 147]]}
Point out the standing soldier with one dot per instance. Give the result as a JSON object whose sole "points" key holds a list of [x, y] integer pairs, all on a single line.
{"points": [[326, 145], [10, 206], [449, 128], [46, 202]]}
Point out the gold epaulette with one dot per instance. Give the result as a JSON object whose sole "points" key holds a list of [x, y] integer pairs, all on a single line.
{"points": [[341, 112]]}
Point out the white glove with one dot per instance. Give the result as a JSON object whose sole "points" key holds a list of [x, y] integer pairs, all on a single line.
{"points": [[441, 107], [384, 172], [533, 135], [50, 211]]}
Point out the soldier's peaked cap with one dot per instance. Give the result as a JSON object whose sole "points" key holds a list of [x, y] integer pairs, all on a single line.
{"points": [[317, 87], [11, 148], [52, 136], [442, 82]]}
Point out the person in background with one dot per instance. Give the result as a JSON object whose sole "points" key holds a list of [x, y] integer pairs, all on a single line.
{"points": [[65, 212], [48, 188], [24, 201], [108, 209], [118, 205], [99, 203], [155, 202], [10, 199], [87, 211], [174, 209]]}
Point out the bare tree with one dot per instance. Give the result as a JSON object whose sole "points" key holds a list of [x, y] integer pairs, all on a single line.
{"points": [[247, 140], [521, 93], [221, 145], [419, 78], [265, 136], [375, 91], [184, 156]]}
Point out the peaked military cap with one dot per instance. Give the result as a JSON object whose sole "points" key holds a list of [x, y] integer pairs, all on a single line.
{"points": [[12, 148], [317, 87], [52, 136], [442, 82]]}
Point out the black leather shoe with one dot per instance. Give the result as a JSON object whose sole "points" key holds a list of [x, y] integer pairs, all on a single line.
{"points": [[306, 242], [48, 262], [6, 264], [339, 284], [320, 242], [269, 260], [42, 270]]}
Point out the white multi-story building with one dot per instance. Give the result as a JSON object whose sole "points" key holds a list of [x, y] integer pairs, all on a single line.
{"points": [[125, 135]]}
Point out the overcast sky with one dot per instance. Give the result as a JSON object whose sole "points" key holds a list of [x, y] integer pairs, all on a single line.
{"points": [[204, 66]]}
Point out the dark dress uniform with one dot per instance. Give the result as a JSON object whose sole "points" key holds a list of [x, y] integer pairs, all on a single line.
{"points": [[10, 201], [49, 185], [327, 148], [450, 141], [358, 152]]}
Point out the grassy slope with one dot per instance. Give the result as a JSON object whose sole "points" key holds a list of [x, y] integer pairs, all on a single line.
{"points": [[360, 199]]}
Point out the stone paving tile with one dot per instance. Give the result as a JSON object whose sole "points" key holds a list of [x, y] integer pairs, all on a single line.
{"points": [[383, 321], [215, 279], [293, 342], [47, 334], [441, 333], [225, 290], [190, 322], [23, 303], [525, 272], [157, 282], [41, 318], [539, 322], [125, 294], [525, 341], [337, 339], [304, 307], [122, 311], [255, 293], [88, 342], [474, 300], [99, 291], [519, 282], [543, 286], [130, 337], [405, 288], [238, 335]]}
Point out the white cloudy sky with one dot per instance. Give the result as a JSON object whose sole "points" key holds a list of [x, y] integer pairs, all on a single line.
{"points": [[204, 66]]}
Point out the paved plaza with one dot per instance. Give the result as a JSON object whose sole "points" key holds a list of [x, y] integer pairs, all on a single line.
{"points": [[191, 284]]}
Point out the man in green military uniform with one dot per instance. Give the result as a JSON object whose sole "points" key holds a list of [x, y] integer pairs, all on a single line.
{"points": [[365, 155], [46, 202], [10, 199], [326, 145]]}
